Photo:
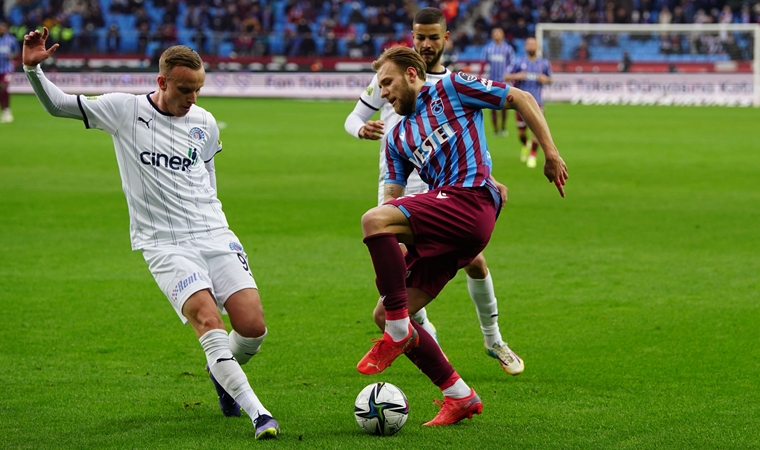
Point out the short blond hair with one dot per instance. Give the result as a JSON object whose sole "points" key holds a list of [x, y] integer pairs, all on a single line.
{"points": [[179, 56], [402, 57]]}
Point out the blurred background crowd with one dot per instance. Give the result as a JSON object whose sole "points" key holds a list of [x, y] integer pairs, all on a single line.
{"points": [[356, 29]]}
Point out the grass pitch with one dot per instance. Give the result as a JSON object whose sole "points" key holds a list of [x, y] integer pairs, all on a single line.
{"points": [[634, 301]]}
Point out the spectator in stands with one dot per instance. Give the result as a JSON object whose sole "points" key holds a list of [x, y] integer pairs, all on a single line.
{"points": [[171, 12], [520, 29], [331, 45], [354, 46], [625, 64], [88, 39], [167, 35], [243, 44], [144, 36], [200, 40], [142, 17], [113, 39], [582, 52], [93, 16]]}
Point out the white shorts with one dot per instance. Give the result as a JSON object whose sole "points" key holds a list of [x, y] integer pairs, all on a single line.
{"points": [[217, 263], [414, 184]]}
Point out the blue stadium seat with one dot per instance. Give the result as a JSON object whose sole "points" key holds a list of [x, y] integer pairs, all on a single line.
{"points": [[225, 48]]}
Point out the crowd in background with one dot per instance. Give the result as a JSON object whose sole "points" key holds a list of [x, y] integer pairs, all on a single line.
{"points": [[354, 29]]}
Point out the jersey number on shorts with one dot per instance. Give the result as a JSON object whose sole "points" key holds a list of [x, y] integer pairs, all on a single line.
{"points": [[244, 262]]}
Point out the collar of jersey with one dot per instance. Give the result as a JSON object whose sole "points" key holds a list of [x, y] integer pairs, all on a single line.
{"points": [[157, 108]]}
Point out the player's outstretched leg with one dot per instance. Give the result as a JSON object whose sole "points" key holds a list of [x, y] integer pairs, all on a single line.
{"points": [[480, 286], [399, 336], [226, 371], [227, 403], [459, 400]]}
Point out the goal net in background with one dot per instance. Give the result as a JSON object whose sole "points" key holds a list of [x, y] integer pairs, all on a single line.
{"points": [[675, 64]]}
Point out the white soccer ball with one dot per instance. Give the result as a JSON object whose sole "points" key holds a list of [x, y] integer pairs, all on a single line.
{"points": [[381, 409]]}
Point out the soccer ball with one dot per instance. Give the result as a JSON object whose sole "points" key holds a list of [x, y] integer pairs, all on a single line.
{"points": [[381, 409]]}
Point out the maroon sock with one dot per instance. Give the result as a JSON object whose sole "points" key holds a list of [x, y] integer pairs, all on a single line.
{"points": [[524, 140], [4, 98], [428, 357], [390, 269], [533, 148]]}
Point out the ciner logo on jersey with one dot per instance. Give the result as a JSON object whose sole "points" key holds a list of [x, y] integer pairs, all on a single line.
{"points": [[170, 162], [436, 139]]}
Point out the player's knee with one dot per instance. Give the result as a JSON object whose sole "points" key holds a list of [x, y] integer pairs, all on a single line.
{"points": [[373, 222], [477, 268], [252, 328]]}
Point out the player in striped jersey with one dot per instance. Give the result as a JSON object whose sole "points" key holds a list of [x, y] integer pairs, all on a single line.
{"points": [[441, 136], [8, 53], [498, 55], [429, 35], [165, 146], [529, 73]]}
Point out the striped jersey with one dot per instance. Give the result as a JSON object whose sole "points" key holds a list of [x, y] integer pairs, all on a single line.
{"points": [[533, 69], [499, 57], [161, 162], [371, 97], [8, 46], [444, 139]]}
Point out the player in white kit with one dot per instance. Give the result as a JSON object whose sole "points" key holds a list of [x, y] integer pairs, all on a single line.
{"points": [[165, 147], [430, 35]]}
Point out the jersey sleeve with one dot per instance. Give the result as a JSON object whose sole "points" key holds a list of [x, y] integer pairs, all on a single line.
{"points": [[480, 93], [104, 112], [398, 168], [371, 96], [214, 143]]}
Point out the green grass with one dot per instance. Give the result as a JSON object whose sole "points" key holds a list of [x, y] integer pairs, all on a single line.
{"points": [[634, 301]]}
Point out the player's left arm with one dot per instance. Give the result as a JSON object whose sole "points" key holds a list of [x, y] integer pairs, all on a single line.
{"points": [[502, 191], [212, 147], [524, 103], [392, 191]]}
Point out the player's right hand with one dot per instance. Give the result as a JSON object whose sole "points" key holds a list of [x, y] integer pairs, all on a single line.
{"points": [[555, 170], [33, 52], [372, 129]]}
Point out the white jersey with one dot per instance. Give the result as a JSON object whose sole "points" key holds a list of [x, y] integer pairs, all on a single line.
{"points": [[371, 97], [161, 161]]}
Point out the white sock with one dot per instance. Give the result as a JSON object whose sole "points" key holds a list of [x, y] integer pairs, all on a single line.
{"points": [[457, 390], [398, 329], [482, 294], [244, 348], [421, 318], [228, 373]]}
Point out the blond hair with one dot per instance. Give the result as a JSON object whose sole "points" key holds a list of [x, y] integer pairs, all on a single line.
{"points": [[179, 56], [402, 57]]}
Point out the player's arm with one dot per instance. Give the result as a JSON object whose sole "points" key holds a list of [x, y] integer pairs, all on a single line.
{"points": [[358, 124], [397, 172], [524, 103], [502, 190], [55, 101], [545, 77], [211, 173], [516, 76], [392, 191]]}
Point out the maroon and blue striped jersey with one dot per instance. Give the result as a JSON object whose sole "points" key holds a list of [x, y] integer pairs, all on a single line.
{"points": [[445, 138], [533, 68]]}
